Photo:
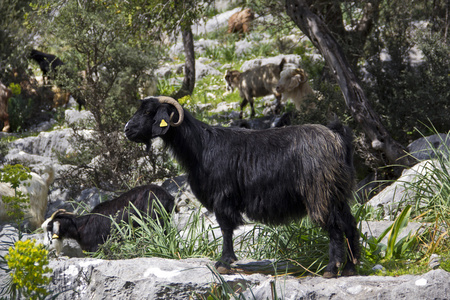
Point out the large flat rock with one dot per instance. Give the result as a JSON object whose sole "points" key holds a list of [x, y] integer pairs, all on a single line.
{"points": [[157, 278]]}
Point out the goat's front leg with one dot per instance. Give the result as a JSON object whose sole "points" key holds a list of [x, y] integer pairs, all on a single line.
{"points": [[228, 256], [278, 104], [243, 104], [251, 100]]}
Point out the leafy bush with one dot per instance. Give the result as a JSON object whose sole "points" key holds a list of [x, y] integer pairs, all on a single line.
{"points": [[28, 262], [15, 205], [29, 104]]}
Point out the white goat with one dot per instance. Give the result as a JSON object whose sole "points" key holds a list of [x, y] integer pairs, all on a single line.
{"points": [[293, 84]]}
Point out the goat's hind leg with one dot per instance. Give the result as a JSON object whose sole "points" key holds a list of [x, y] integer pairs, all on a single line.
{"points": [[336, 249], [278, 104], [352, 235], [342, 222], [251, 100]]}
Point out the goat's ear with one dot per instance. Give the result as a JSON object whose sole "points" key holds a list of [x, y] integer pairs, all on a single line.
{"points": [[161, 121]]}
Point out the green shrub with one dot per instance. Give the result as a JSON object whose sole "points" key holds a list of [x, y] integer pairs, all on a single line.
{"points": [[28, 262], [15, 205]]}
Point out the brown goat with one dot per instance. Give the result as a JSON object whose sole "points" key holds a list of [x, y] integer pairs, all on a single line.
{"points": [[5, 94], [256, 82], [60, 97], [240, 21]]}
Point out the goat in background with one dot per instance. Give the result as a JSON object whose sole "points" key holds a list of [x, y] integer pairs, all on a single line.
{"points": [[5, 94], [293, 84], [256, 82]]}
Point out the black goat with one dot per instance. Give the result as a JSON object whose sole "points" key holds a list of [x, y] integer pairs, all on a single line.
{"points": [[47, 62], [93, 229], [273, 175]]}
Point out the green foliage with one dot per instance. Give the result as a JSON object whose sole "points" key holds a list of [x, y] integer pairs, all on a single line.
{"points": [[165, 88], [14, 36], [28, 264], [403, 92], [301, 242], [432, 187], [16, 204], [445, 263], [20, 110], [430, 207], [15, 88], [159, 15], [394, 249]]}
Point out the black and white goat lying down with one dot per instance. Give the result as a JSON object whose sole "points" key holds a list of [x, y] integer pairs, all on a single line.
{"points": [[92, 230], [272, 175]]}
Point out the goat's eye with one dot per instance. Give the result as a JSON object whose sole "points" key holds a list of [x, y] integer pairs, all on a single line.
{"points": [[147, 112]]}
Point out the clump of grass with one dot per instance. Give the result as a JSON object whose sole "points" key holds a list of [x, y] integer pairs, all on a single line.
{"points": [[144, 236], [302, 243]]}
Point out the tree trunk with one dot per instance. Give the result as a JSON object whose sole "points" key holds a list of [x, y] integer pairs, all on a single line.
{"points": [[311, 25], [189, 67]]}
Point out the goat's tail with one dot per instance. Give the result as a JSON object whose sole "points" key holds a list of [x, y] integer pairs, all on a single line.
{"points": [[346, 134]]}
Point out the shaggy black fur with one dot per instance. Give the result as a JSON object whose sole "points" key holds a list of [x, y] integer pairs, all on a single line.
{"points": [[272, 175], [47, 62], [93, 229]]}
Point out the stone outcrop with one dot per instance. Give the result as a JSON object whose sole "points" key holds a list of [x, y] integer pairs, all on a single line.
{"points": [[157, 278]]}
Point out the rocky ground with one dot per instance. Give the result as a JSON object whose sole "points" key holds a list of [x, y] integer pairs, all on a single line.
{"points": [[157, 278]]}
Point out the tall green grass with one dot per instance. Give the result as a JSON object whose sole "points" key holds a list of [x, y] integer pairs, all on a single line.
{"points": [[431, 201], [144, 236]]}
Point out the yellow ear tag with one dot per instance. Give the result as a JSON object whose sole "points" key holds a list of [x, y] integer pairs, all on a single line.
{"points": [[55, 237], [163, 123]]}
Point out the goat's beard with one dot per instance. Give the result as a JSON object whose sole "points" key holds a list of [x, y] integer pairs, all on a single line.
{"points": [[58, 245]]}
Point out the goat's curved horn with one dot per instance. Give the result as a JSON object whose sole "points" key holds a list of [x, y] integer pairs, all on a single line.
{"points": [[301, 72], [169, 100], [57, 212]]}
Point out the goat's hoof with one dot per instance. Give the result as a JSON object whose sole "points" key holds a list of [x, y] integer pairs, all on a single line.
{"points": [[224, 270], [328, 275], [349, 269], [349, 272]]}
